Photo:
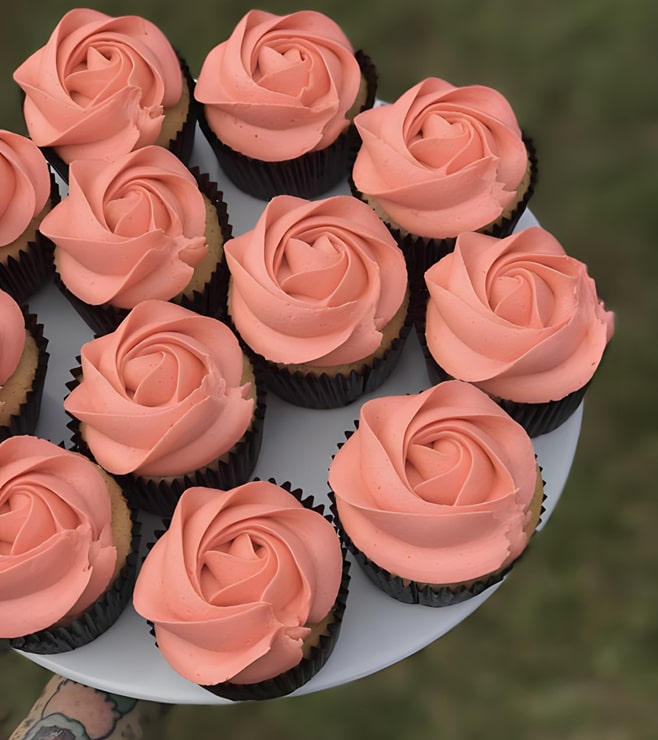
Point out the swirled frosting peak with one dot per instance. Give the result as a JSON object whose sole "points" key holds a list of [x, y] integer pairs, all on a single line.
{"points": [[516, 316], [56, 549], [436, 487], [279, 86], [12, 336], [24, 184], [315, 281], [234, 583], [441, 159], [163, 394], [99, 86], [130, 229]]}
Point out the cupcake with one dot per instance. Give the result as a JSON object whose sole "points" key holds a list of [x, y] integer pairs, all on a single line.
{"points": [[246, 590], [167, 400], [104, 86], [437, 493], [520, 319], [137, 228], [23, 366], [277, 100], [27, 193], [318, 289], [441, 160], [68, 554]]}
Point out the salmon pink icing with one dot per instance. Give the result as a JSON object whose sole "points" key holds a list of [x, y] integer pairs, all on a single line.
{"points": [[516, 316], [56, 549], [280, 86], [130, 229], [99, 86], [436, 487], [441, 159], [24, 184], [233, 584], [315, 281], [162, 394], [12, 336]]}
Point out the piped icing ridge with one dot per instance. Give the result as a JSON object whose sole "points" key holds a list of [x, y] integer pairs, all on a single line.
{"points": [[280, 86], [12, 336], [130, 229], [162, 395], [235, 582], [441, 159], [24, 184], [99, 85], [56, 550], [436, 487], [516, 316], [315, 281]]}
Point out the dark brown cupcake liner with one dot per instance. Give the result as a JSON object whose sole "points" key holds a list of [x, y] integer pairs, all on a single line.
{"points": [[25, 422], [160, 497], [21, 277], [105, 318], [300, 674], [308, 176], [181, 145], [422, 252], [535, 418], [96, 619]]}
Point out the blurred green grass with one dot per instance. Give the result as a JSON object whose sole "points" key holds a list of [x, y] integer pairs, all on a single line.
{"points": [[567, 648]]}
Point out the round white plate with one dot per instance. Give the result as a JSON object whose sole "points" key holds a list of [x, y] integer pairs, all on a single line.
{"points": [[298, 444]]}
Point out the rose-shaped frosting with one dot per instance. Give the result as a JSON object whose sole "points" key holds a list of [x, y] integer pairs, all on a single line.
{"points": [[99, 86], [24, 184], [441, 159], [12, 336], [280, 86], [234, 583], [162, 395], [56, 549], [436, 487], [130, 229], [516, 316], [315, 281]]}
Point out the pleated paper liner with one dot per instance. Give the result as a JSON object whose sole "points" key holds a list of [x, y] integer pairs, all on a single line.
{"points": [[96, 619], [308, 176], [535, 418], [181, 145], [105, 318], [160, 496], [22, 276], [421, 252], [25, 421]]}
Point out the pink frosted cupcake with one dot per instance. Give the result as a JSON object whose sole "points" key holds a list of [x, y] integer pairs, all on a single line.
{"points": [[278, 98], [441, 160], [246, 590], [69, 547], [137, 228], [27, 193], [520, 319], [437, 493], [167, 400], [318, 289], [103, 86]]}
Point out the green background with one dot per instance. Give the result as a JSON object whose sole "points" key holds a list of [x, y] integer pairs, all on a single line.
{"points": [[567, 648]]}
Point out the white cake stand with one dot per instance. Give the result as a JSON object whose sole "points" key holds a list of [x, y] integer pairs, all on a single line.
{"points": [[298, 443]]}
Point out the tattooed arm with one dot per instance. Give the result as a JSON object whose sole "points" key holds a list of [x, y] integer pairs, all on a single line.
{"points": [[70, 711]]}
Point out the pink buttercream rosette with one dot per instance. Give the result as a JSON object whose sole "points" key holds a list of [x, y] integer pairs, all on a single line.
{"points": [[100, 86], [236, 582], [520, 319], [435, 493], [277, 98]]}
